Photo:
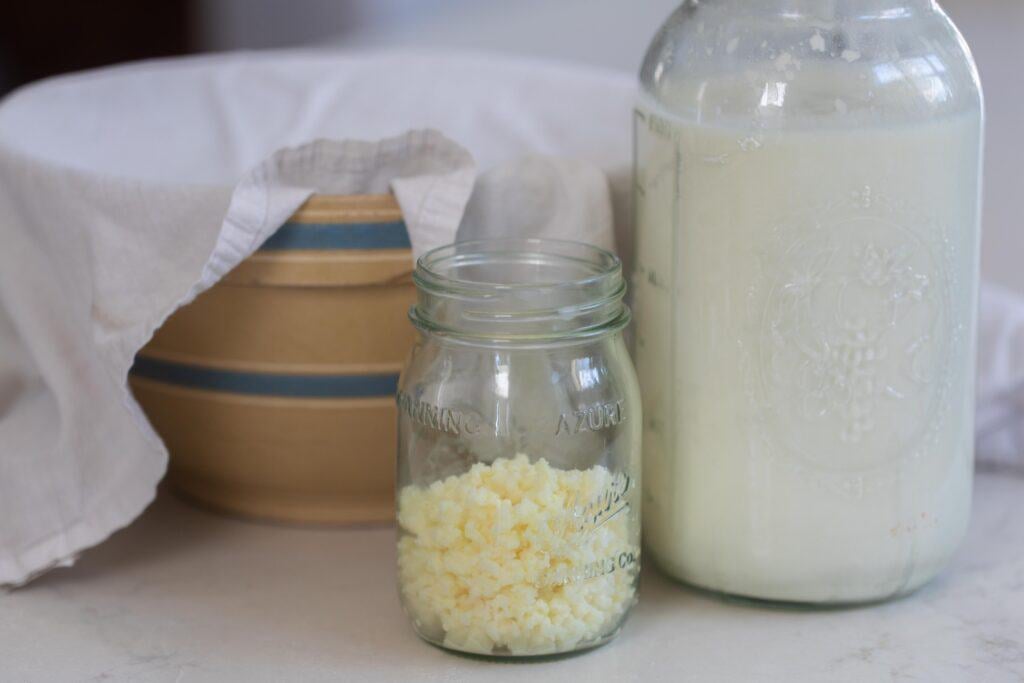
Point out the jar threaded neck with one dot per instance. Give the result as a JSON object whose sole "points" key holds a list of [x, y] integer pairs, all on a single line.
{"points": [[512, 290]]}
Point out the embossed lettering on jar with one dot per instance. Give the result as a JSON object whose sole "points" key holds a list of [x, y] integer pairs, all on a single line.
{"points": [[808, 177], [519, 450]]}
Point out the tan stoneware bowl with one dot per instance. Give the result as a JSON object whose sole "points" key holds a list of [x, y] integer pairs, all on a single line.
{"points": [[274, 390]]}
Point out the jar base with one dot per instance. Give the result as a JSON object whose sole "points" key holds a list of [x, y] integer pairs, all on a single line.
{"points": [[794, 605], [790, 604], [503, 655]]}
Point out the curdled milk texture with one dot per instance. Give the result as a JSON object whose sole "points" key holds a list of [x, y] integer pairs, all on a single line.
{"points": [[496, 560], [805, 310]]}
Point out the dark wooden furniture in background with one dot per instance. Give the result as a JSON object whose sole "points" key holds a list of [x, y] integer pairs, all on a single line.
{"points": [[39, 39]]}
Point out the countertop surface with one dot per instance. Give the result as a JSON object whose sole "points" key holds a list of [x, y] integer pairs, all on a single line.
{"points": [[185, 595]]}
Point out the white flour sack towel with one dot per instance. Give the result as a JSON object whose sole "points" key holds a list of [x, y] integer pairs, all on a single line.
{"points": [[125, 192]]}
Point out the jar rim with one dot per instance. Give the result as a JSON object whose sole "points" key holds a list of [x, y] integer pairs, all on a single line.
{"points": [[428, 274], [519, 289]]}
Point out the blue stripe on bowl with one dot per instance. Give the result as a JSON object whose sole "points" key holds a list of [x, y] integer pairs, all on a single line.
{"points": [[334, 236], [266, 384]]}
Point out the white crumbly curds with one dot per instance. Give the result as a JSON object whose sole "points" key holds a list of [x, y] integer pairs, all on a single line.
{"points": [[518, 557]]}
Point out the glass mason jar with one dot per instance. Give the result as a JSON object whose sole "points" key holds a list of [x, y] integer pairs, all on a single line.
{"points": [[807, 178], [518, 450]]}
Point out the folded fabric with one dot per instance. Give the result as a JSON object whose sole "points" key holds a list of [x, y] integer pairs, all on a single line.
{"points": [[1000, 418]]}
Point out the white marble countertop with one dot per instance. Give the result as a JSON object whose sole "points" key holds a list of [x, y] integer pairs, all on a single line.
{"points": [[184, 595]]}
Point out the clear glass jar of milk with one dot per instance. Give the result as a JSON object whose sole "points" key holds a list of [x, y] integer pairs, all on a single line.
{"points": [[807, 181]]}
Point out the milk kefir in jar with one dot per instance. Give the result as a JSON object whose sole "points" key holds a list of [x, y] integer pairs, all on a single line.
{"points": [[807, 196]]}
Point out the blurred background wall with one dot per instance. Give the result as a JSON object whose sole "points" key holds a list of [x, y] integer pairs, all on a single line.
{"points": [[607, 33]]}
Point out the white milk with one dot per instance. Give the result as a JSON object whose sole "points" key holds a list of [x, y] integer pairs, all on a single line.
{"points": [[805, 307]]}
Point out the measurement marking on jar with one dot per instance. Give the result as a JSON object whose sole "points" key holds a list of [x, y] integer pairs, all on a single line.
{"points": [[591, 419], [443, 419]]}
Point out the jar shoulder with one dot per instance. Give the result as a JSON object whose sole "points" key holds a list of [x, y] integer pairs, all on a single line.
{"points": [[715, 62], [580, 367]]}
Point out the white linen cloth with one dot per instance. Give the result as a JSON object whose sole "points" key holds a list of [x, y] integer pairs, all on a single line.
{"points": [[1000, 410], [125, 192]]}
